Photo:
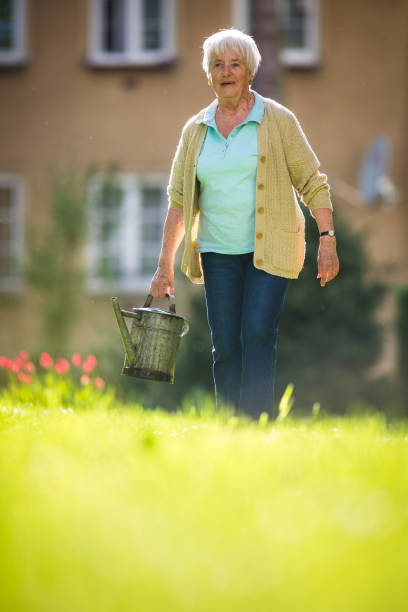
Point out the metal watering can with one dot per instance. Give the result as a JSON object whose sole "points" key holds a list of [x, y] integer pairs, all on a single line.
{"points": [[152, 344]]}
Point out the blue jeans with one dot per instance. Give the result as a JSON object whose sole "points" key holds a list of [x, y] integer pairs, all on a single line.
{"points": [[243, 309]]}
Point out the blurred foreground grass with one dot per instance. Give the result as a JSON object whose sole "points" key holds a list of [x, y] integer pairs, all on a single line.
{"points": [[128, 510]]}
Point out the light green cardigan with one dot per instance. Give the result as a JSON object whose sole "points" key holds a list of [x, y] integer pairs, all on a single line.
{"points": [[286, 162]]}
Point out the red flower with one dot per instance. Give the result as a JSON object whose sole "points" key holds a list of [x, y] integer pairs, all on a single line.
{"points": [[24, 356], [62, 366], [5, 363], [89, 364], [24, 378], [99, 383], [16, 365], [85, 380], [76, 359], [29, 367], [46, 361]]}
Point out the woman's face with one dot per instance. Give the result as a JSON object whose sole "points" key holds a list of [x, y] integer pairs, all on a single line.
{"points": [[229, 75]]}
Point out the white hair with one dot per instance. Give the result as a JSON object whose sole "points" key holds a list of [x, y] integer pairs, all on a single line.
{"points": [[235, 40]]}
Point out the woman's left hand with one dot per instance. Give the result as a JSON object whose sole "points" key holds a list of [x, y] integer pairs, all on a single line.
{"points": [[327, 260]]}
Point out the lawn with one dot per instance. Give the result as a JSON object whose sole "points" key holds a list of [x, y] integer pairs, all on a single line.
{"points": [[128, 510]]}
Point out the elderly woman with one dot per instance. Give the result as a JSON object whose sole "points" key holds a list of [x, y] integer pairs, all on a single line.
{"points": [[232, 195]]}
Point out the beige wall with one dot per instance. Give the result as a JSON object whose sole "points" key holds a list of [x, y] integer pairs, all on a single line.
{"points": [[57, 108], [57, 105]]}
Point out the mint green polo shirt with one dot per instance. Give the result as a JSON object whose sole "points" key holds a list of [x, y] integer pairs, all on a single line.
{"points": [[226, 171]]}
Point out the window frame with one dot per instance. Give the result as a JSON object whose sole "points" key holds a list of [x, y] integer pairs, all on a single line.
{"points": [[310, 56], [131, 248], [18, 53], [241, 15], [16, 183], [134, 54]]}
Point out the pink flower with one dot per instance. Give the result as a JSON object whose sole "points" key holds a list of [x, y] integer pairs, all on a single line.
{"points": [[5, 363], [99, 383], [16, 365], [62, 366], [24, 378], [85, 380], [76, 359], [24, 356], [89, 364], [29, 367], [46, 361]]}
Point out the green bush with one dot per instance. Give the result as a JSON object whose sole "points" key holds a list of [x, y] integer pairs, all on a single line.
{"points": [[402, 336], [329, 336], [53, 268]]}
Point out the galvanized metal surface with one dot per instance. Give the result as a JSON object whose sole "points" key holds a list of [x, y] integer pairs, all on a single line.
{"points": [[152, 344]]}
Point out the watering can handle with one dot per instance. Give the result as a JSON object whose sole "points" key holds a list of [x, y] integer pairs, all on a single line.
{"points": [[172, 302]]}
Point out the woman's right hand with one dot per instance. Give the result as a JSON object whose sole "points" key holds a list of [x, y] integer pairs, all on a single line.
{"points": [[162, 282]]}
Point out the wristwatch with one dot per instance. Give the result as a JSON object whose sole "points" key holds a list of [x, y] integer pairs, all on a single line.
{"points": [[327, 233]]}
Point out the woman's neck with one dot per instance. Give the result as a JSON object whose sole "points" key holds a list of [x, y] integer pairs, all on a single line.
{"points": [[229, 106]]}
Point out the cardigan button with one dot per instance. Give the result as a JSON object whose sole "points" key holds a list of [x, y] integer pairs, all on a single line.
{"points": [[261, 186], [263, 159], [259, 235], [259, 262], [261, 210]]}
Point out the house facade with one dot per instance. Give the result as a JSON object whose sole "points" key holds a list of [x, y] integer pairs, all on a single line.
{"points": [[96, 82]]}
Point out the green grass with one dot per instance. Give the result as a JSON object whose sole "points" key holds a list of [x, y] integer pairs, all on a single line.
{"points": [[126, 510]]}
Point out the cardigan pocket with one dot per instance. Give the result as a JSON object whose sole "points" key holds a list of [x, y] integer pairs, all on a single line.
{"points": [[289, 254]]}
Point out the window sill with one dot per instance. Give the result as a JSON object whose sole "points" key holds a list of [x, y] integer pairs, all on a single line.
{"points": [[300, 59], [11, 285], [16, 61], [101, 63]]}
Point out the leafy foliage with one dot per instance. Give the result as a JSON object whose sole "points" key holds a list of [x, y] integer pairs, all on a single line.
{"points": [[53, 268], [402, 335], [194, 366], [329, 335]]}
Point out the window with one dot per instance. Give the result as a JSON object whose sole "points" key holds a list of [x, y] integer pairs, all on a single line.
{"points": [[12, 31], [126, 217], [11, 231], [132, 32], [299, 27], [300, 32]]}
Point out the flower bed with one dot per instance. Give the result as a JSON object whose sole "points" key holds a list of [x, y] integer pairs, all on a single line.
{"points": [[50, 381]]}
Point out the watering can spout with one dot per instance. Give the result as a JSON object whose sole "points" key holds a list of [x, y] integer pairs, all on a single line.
{"points": [[124, 332]]}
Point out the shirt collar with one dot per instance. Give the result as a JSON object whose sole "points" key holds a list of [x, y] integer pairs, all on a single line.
{"points": [[256, 113]]}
